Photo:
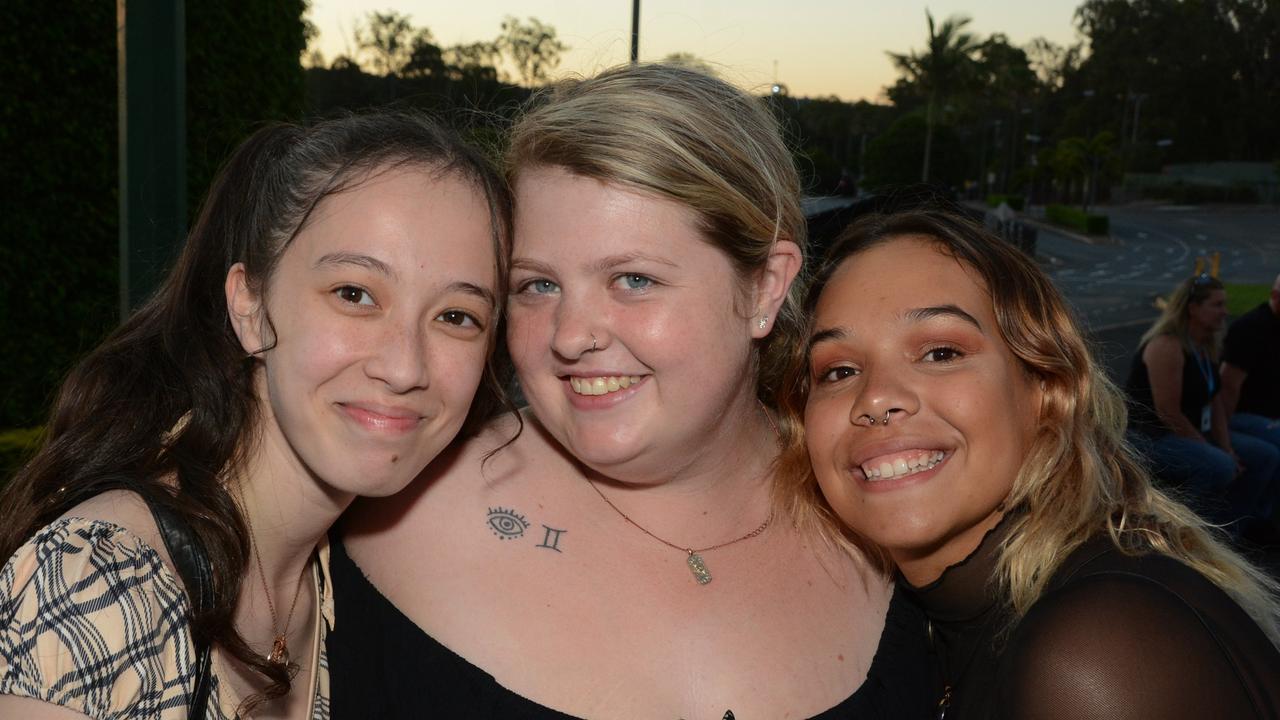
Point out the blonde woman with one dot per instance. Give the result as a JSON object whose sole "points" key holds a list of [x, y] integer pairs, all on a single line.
{"points": [[1178, 419], [958, 426], [622, 557]]}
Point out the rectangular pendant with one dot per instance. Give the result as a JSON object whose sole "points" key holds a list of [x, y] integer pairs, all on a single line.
{"points": [[699, 569]]}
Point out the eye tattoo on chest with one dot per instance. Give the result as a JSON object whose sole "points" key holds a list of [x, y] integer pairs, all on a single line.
{"points": [[507, 524]]}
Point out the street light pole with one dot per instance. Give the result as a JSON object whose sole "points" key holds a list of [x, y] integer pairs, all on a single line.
{"points": [[635, 31]]}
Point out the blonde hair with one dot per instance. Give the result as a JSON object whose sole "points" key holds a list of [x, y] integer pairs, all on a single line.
{"points": [[1080, 476], [682, 135], [1174, 317]]}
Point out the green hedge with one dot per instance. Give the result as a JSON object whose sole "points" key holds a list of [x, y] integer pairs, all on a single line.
{"points": [[1078, 219], [1015, 202]]}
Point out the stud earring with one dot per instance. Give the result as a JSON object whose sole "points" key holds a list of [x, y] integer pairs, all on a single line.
{"points": [[764, 320]]}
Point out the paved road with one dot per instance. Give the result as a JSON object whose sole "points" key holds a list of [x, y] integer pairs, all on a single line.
{"points": [[1113, 286]]}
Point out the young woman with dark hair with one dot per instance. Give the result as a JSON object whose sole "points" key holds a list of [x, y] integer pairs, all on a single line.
{"points": [[321, 337]]}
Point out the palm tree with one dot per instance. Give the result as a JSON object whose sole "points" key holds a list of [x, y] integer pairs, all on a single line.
{"points": [[939, 70]]}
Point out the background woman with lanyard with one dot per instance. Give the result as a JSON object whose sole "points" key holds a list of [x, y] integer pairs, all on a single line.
{"points": [[1177, 416]]}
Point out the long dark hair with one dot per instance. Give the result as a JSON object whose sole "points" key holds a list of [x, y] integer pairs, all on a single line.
{"points": [[166, 407]]}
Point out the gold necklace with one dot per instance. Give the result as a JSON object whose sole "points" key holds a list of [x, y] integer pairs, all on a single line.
{"points": [[279, 654], [697, 565]]}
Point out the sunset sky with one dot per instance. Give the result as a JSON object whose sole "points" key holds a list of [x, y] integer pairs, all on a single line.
{"points": [[821, 48]]}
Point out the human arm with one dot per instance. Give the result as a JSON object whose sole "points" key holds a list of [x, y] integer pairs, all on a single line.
{"points": [[1120, 646], [1218, 425], [93, 623], [1232, 380], [14, 706], [1164, 360]]}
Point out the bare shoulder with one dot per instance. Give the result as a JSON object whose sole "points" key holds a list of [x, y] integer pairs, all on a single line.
{"points": [[495, 459], [127, 510], [1165, 347]]}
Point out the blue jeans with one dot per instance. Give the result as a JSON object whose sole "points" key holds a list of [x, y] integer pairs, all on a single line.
{"points": [[1262, 428], [1206, 477]]}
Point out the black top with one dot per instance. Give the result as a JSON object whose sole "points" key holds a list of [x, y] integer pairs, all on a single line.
{"points": [[1113, 636], [1195, 393], [1253, 345], [383, 665]]}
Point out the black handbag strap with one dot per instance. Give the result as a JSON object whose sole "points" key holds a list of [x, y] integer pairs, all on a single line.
{"points": [[188, 556]]}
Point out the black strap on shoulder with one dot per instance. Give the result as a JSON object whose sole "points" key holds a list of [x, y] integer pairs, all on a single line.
{"points": [[188, 556]]}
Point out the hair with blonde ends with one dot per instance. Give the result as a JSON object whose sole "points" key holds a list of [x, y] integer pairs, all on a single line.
{"points": [[685, 136], [1080, 476]]}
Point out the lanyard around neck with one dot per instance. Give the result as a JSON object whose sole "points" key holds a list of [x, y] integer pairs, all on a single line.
{"points": [[1206, 368]]}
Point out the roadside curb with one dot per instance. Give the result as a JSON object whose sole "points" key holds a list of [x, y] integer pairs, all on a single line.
{"points": [[1078, 237], [1121, 325]]}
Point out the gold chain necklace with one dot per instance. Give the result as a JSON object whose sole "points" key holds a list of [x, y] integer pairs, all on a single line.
{"points": [[279, 654], [697, 565]]}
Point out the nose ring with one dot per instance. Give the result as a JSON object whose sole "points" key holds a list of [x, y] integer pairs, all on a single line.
{"points": [[872, 421], [593, 341]]}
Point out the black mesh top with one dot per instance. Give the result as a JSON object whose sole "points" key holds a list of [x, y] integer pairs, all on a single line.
{"points": [[383, 665], [1113, 636]]}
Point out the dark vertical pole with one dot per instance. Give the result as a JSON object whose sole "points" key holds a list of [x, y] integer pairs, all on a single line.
{"points": [[635, 31], [151, 49]]}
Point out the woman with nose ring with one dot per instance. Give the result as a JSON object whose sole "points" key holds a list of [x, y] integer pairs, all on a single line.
{"points": [[615, 550], [959, 430]]}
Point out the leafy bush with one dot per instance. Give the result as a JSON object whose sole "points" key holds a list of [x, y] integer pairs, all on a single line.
{"points": [[1015, 202], [1078, 219]]}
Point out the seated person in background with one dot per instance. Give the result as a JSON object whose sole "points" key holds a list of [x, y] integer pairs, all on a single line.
{"points": [[1176, 414], [1251, 373]]}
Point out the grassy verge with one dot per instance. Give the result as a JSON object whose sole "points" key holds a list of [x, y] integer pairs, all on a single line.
{"points": [[1241, 298]]}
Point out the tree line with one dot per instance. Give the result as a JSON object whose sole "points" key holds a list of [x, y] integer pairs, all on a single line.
{"points": [[1148, 83]]}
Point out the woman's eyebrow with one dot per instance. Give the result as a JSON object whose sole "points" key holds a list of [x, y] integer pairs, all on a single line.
{"points": [[472, 289], [828, 335], [357, 259], [934, 311]]}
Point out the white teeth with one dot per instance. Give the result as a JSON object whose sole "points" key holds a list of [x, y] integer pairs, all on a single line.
{"points": [[902, 466], [602, 385]]}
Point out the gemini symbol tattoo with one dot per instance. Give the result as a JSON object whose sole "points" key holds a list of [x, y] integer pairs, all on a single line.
{"points": [[551, 540]]}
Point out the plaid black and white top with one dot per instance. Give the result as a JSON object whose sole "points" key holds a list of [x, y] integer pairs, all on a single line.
{"points": [[92, 619]]}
